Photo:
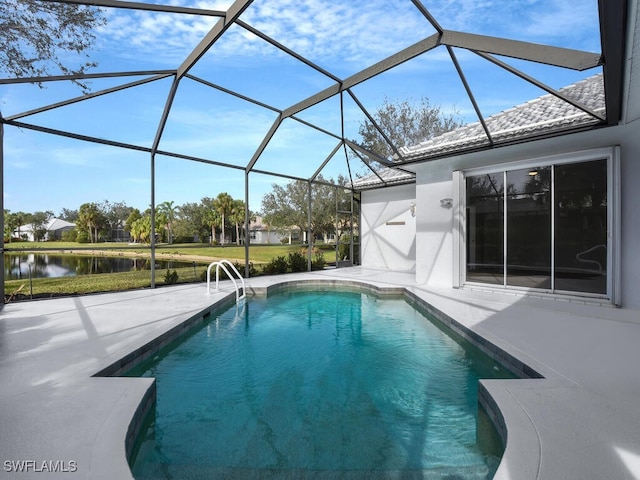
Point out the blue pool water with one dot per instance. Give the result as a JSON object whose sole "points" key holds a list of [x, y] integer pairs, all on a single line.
{"points": [[318, 384]]}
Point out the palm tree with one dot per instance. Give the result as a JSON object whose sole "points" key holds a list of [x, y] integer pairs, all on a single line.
{"points": [[169, 211], [223, 204], [89, 215], [237, 217]]}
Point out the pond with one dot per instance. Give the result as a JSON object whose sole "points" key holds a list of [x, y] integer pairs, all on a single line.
{"points": [[16, 266]]}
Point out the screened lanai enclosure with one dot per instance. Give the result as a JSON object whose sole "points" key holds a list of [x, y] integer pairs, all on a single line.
{"points": [[189, 99]]}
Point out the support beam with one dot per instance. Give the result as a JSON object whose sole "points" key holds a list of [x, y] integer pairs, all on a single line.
{"points": [[467, 88], [165, 115], [533, 52], [309, 242], [2, 208], [326, 160], [154, 149], [153, 220], [366, 162], [539, 84], [613, 33], [84, 76], [375, 124], [247, 222], [364, 151], [221, 26], [393, 61], [144, 6], [265, 141], [287, 50], [87, 97], [418, 4], [232, 93], [317, 128], [75, 136]]}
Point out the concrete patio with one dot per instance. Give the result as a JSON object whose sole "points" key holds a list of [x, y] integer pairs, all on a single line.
{"points": [[580, 422]]}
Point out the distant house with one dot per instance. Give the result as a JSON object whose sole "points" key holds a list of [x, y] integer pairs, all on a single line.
{"points": [[261, 233], [55, 227]]}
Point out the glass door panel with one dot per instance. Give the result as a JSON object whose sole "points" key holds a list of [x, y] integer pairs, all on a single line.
{"points": [[581, 227], [485, 228], [529, 227]]}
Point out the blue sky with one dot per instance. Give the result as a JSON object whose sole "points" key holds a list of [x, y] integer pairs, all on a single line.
{"points": [[47, 172]]}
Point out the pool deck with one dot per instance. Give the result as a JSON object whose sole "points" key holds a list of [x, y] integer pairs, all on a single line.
{"points": [[582, 421]]}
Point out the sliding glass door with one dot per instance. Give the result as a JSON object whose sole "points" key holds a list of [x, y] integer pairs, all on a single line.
{"points": [[580, 248], [528, 222], [485, 227], [539, 227]]}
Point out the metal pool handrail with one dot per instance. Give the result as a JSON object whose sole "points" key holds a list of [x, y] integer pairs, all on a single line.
{"points": [[221, 264]]}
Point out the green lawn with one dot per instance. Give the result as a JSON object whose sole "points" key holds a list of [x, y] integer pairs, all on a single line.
{"points": [[257, 254], [106, 282]]}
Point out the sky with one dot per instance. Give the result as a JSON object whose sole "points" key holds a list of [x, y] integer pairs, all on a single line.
{"points": [[50, 172]]}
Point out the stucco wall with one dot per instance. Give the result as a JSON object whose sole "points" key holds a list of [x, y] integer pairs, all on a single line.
{"points": [[388, 229], [434, 257]]}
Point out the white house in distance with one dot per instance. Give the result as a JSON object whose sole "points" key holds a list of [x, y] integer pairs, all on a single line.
{"points": [[557, 216], [55, 227], [261, 233]]}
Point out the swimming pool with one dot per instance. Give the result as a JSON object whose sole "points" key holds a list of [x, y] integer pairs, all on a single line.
{"points": [[318, 384]]}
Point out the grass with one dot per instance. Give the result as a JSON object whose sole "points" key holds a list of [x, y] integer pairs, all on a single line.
{"points": [[109, 282], [101, 282], [257, 254]]}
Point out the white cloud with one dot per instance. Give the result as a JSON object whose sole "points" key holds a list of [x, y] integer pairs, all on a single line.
{"points": [[321, 30]]}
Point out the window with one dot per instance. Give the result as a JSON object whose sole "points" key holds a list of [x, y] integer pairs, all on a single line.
{"points": [[547, 225]]}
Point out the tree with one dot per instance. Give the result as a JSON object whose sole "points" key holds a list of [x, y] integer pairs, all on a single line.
{"points": [[133, 216], [91, 220], [169, 211], [287, 206], [223, 204], [39, 222], [237, 217], [141, 229], [161, 224], [210, 216], [12, 222], [191, 221], [68, 215], [116, 215], [405, 124], [37, 35], [18, 219]]}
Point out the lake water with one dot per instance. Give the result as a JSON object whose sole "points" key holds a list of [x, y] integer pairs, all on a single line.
{"points": [[16, 266]]}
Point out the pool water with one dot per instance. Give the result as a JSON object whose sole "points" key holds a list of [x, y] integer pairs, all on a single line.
{"points": [[318, 384]]}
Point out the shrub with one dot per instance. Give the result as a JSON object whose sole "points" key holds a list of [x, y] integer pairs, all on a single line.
{"points": [[276, 266], [343, 248], [170, 277], [297, 262], [69, 235], [183, 239], [318, 261], [83, 237]]}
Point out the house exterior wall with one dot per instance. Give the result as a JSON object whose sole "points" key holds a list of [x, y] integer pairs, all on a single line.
{"points": [[388, 229], [266, 237], [434, 233]]}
